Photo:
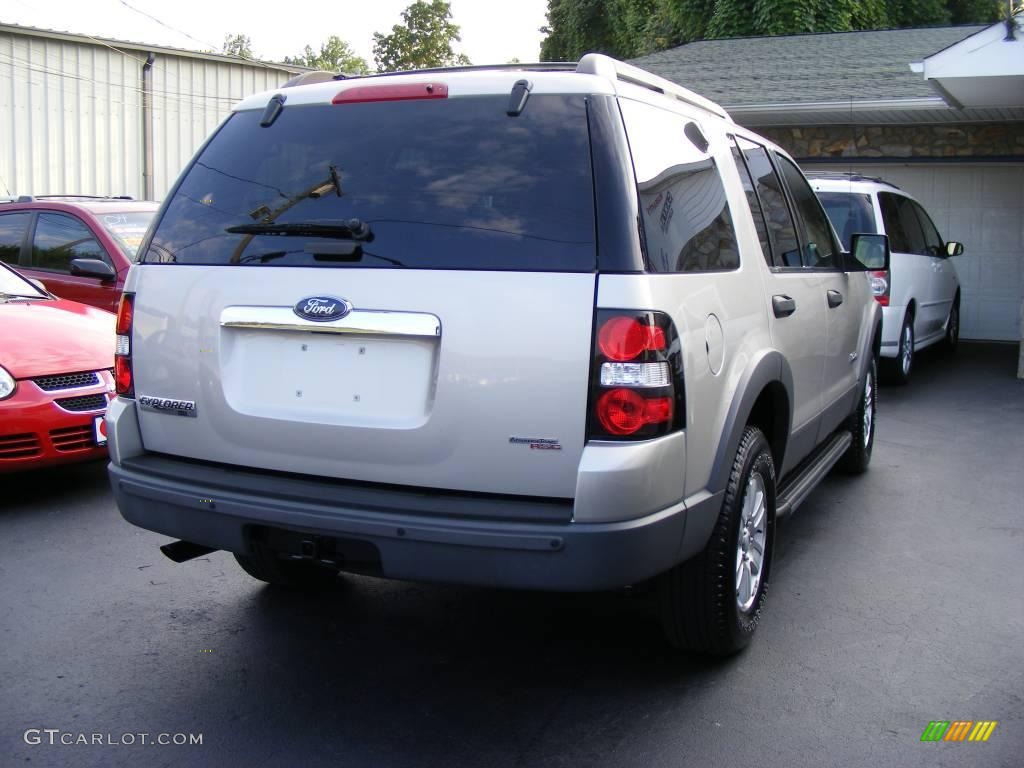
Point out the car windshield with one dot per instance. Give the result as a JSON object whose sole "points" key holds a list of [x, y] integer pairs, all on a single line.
{"points": [[438, 184], [127, 228], [850, 214], [13, 284]]}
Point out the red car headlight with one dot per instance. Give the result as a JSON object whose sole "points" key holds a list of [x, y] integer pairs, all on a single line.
{"points": [[7, 384]]}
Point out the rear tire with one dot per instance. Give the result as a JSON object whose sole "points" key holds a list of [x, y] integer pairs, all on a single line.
{"points": [[861, 424], [712, 603], [952, 340], [899, 368], [265, 565]]}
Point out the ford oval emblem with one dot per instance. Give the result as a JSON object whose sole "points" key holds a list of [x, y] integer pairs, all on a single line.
{"points": [[322, 309]]}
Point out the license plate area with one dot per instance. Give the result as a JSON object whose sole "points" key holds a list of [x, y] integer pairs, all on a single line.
{"points": [[99, 430], [327, 378]]}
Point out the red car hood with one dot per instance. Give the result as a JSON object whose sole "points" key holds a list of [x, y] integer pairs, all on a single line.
{"points": [[39, 338]]}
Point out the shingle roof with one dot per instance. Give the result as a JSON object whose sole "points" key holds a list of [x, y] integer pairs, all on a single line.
{"points": [[795, 69]]}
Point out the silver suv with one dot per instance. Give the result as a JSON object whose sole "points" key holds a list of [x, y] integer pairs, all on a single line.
{"points": [[562, 327]]}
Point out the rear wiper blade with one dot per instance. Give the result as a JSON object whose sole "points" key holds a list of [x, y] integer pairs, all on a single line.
{"points": [[355, 229]]}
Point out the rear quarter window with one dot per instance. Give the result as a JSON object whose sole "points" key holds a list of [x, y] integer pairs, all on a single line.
{"points": [[687, 223], [442, 184]]}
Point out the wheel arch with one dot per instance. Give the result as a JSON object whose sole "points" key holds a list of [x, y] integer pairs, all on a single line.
{"points": [[764, 398]]}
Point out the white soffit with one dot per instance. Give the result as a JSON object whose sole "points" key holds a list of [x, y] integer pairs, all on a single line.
{"points": [[983, 70]]}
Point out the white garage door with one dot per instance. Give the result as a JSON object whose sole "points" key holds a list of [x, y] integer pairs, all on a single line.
{"points": [[983, 207]]}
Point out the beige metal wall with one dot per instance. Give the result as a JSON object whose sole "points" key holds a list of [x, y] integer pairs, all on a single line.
{"points": [[71, 113], [191, 98]]}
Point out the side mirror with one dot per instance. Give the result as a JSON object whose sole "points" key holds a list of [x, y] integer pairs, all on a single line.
{"points": [[92, 268], [868, 253], [953, 248]]}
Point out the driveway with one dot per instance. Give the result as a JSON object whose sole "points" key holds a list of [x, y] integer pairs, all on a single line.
{"points": [[896, 600]]}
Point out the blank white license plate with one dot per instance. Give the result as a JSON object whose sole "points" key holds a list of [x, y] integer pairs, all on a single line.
{"points": [[329, 378]]}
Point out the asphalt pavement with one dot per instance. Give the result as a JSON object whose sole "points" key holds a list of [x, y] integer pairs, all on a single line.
{"points": [[896, 600]]}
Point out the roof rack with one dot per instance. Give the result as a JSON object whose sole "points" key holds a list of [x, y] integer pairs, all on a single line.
{"points": [[613, 69], [847, 176], [590, 64], [321, 76]]}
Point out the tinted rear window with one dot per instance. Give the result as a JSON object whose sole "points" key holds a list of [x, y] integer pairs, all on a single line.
{"points": [[851, 214], [443, 184]]}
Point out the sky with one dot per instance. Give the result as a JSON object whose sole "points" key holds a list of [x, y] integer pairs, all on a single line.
{"points": [[493, 31]]}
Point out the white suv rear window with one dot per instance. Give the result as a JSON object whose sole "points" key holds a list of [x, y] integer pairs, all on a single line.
{"points": [[440, 184]]}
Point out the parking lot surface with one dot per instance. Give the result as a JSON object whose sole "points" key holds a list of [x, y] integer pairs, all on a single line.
{"points": [[895, 601]]}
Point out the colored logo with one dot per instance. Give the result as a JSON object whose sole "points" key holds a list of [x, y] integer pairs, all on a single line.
{"points": [[959, 730], [322, 309]]}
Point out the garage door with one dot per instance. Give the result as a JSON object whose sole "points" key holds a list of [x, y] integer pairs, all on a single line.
{"points": [[983, 207]]}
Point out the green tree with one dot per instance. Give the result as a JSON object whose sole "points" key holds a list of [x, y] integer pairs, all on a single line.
{"points": [[335, 55], [423, 39], [237, 45], [627, 28]]}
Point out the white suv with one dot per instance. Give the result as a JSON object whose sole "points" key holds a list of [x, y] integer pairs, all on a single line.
{"points": [[561, 327], [920, 296]]}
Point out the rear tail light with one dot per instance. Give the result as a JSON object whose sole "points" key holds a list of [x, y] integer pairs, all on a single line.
{"points": [[636, 386], [880, 285], [123, 383]]}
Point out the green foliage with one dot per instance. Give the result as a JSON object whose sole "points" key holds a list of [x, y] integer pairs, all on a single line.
{"points": [[335, 55], [237, 45], [976, 11], [629, 28], [424, 39]]}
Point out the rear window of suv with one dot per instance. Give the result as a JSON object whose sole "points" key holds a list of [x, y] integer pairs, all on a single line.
{"points": [[850, 213], [439, 184]]}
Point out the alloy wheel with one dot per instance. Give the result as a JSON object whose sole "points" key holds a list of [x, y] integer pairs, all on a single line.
{"points": [[750, 545]]}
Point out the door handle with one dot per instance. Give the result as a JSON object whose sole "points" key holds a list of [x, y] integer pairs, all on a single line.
{"points": [[835, 298], [783, 306]]}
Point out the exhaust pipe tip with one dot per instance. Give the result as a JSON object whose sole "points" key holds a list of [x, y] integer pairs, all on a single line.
{"points": [[181, 551]]}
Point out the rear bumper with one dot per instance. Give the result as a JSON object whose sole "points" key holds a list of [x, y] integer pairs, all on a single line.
{"points": [[223, 507], [892, 324]]}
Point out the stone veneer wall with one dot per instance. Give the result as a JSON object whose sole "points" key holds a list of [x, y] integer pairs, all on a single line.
{"points": [[975, 140]]}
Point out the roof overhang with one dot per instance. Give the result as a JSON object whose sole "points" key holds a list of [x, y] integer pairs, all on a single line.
{"points": [[985, 70], [930, 109]]}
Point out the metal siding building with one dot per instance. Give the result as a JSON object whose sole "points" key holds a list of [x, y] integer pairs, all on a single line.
{"points": [[71, 110]]}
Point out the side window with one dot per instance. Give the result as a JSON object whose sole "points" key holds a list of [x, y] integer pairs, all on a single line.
{"points": [[778, 217], [819, 243], [754, 204], [12, 234], [933, 243], [901, 223], [687, 224], [60, 238]]}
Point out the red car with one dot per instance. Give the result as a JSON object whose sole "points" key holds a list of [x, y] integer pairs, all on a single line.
{"points": [[56, 358], [79, 247]]}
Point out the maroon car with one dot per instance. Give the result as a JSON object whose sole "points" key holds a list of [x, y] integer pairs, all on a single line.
{"points": [[79, 247]]}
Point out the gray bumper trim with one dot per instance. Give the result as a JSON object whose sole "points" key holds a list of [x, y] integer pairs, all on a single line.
{"points": [[215, 507]]}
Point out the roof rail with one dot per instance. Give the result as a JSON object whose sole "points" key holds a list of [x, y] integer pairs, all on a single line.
{"points": [[613, 69], [846, 176], [320, 76]]}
